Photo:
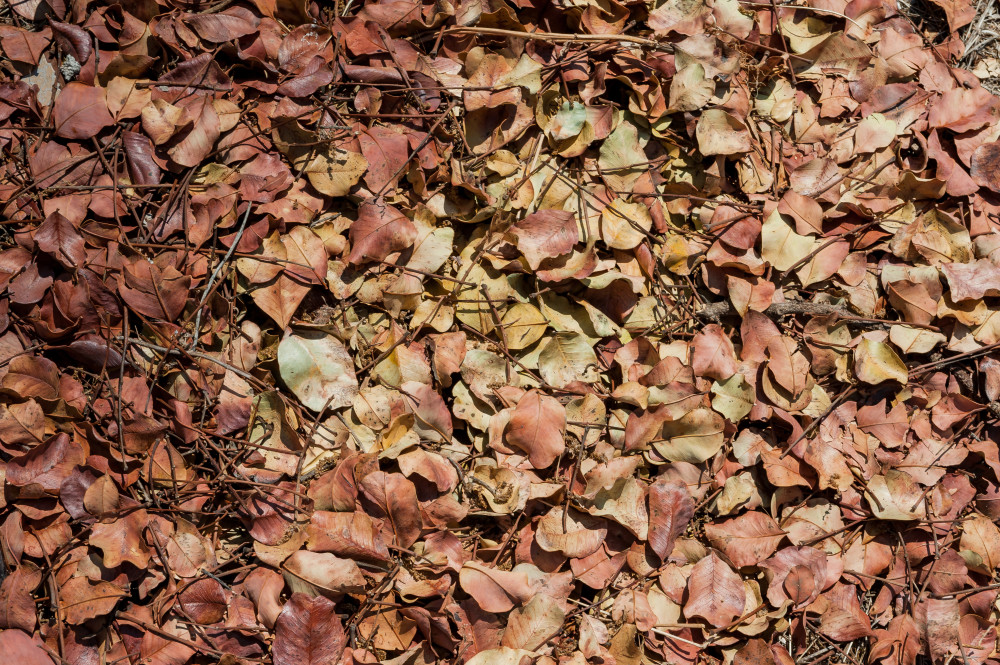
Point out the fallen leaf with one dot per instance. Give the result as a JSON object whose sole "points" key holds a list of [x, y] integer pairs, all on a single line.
{"points": [[308, 632], [715, 593], [318, 369], [537, 427]]}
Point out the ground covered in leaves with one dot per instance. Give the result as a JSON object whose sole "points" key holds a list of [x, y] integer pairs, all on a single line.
{"points": [[498, 332]]}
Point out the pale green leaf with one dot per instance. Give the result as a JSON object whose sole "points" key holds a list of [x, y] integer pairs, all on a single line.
{"points": [[318, 370]]}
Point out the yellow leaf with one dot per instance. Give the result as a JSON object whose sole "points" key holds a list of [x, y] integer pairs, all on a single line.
{"points": [[875, 362], [780, 245]]}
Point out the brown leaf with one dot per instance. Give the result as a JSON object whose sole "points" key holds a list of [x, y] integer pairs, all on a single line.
{"points": [[396, 498], [972, 281], [537, 427], [531, 626], [223, 27], [101, 498], [308, 632], [981, 538], [18, 610], [497, 590], [32, 376], [889, 428], [280, 299], [152, 291], [800, 585], [301, 45], [121, 540], [844, 621], [985, 166], [142, 168], [81, 111], [23, 45], [713, 354], [81, 600], [899, 642], [545, 234], [18, 647], [59, 238], [715, 592], [754, 652], [198, 142], [351, 535], [46, 466], [942, 628], [387, 153], [670, 509], [379, 231], [575, 535], [319, 573], [204, 601], [746, 540], [778, 567], [22, 423]]}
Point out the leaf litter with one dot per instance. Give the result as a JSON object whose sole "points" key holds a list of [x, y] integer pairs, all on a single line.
{"points": [[499, 333]]}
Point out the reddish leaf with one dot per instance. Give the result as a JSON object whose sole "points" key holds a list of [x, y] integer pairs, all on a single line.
{"points": [[18, 610], [82, 600], [204, 601], [889, 428], [226, 26], [754, 652], [379, 231], [102, 499], [898, 643], [844, 621], [198, 142], [713, 354], [545, 235], [498, 590], [396, 498], [319, 573], [715, 592], [670, 509], [778, 567], [387, 153], [746, 540], [575, 535], [18, 647], [800, 585], [73, 39], [152, 291], [308, 632], [46, 467], [81, 111], [23, 45], [351, 535], [537, 427], [942, 628], [121, 540]]}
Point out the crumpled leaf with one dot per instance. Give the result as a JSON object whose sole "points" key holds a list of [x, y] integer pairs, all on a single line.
{"points": [[577, 535]]}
